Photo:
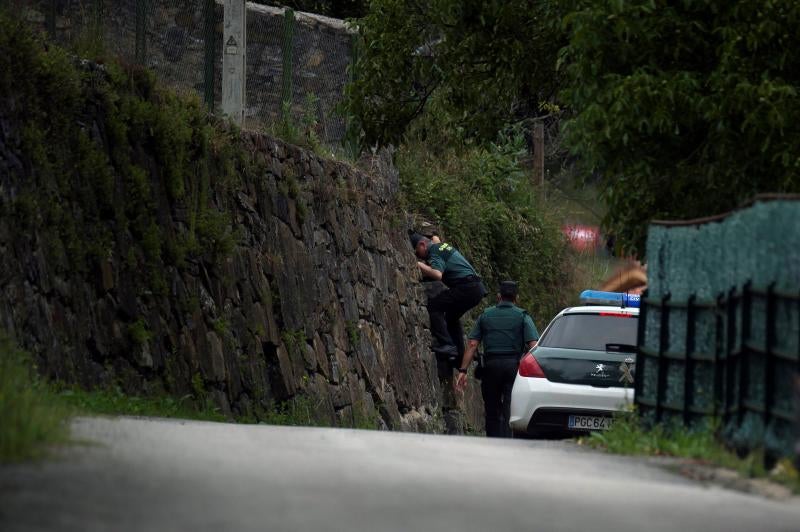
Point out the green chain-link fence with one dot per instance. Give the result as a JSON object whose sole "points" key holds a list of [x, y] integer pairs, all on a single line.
{"points": [[297, 64], [297, 68], [720, 325]]}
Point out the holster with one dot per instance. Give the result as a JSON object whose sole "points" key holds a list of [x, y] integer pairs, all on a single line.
{"points": [[481, 365]]}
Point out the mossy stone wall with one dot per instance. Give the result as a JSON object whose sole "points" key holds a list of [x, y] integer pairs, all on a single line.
{"points": [[146, 246]]}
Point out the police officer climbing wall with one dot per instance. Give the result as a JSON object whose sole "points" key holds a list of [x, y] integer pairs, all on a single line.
{"points": [[507, 332], [440, 261]]}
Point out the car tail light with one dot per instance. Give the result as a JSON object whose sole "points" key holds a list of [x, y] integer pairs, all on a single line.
{"points": [[529, 367]]}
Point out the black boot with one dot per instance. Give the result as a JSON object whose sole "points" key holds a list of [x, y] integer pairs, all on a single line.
{"points": [[448, 353]]}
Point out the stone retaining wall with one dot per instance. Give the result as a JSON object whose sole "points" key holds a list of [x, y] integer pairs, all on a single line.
{"points": [[319, 300]]}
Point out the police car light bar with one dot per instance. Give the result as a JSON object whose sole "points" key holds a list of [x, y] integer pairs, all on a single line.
{"points": [[596, 297]]}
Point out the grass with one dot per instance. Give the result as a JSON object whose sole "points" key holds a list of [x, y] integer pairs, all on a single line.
{"points": [[573, 201], [35, 413], [298, 412], [114, 402], [301, 411], [629, 436], [33, 416], [591, 270]]}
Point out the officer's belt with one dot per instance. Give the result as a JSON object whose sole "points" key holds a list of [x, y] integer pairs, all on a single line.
{"points": [[503, 354], [464, 280]]}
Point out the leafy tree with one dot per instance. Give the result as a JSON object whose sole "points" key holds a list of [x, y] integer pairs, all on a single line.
{"points": [[685, 108], [486, 62]]}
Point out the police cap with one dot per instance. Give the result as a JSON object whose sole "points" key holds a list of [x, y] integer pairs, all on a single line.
{"points": [[415, 238], [508, 289]]}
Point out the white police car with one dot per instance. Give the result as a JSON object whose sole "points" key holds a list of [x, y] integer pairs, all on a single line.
{"points": [[581, 370]]}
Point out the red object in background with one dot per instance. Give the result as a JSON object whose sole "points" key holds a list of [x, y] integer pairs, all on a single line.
{"points": [[582, 237]]}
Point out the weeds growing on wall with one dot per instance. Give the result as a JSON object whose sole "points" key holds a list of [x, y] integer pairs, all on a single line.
{"points": [[91, 196], [303, 132], [114, 402], [114, 172]]}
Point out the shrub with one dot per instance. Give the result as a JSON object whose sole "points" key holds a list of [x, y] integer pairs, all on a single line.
{"points": [[487, 206], [32, 415]]}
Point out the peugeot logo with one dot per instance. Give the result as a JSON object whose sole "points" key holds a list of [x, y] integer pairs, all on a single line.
{"points": [[599, 371]]}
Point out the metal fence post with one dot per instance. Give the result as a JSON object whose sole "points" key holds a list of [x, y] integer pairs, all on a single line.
{"points": [[797, 394], [663, 342], [721, 346], [730, 354], [142, 7], [688, 377], [638, 380], [286, 74], [210, 46], [769, 361], [350, 141], [96, 25], [744, 353], [50, 18]]}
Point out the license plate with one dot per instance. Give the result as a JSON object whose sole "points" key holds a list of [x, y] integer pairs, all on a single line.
{"points": [[590, 422]]}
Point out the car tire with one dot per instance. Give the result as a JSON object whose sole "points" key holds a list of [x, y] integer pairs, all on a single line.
{"points": [[546, 433], [520, 435]]}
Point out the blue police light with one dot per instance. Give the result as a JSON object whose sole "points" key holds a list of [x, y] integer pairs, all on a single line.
{"points": [[597, 297]]}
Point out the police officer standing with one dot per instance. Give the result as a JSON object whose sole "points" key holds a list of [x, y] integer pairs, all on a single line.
{"points": [[506, 332], [465, 291]]}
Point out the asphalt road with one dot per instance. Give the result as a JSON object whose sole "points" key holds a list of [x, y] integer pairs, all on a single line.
{"points": [[142, 474]]}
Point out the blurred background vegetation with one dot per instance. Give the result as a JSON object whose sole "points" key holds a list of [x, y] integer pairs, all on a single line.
{"points": [[674, 109]]}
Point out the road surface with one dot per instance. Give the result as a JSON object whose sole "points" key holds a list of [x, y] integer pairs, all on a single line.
{"points": [[166, 475]]}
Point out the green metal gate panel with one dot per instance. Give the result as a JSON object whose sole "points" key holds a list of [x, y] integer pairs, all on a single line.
{"points": [[719, 331]]}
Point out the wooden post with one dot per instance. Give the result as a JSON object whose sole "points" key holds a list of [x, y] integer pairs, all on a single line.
{"points": [[538, 154], [234, 60]]}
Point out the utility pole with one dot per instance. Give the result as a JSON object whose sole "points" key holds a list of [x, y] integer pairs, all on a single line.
{"points": [[234, 60], [538, 154]]}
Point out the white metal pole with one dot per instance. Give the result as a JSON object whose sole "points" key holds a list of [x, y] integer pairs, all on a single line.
{"points": [[234, 63]]}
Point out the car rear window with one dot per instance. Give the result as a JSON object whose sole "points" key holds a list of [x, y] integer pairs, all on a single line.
{"points": [[590, 331]]}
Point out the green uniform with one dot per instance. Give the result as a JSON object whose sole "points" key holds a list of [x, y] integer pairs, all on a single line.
{"points": [[446, 259], [504, 329]]}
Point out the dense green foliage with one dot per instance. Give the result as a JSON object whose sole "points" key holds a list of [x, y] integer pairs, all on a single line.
{"points": [[683, 108], [686, 108], [32, 415], [486, 63], [444, 79], [488, 207]]}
